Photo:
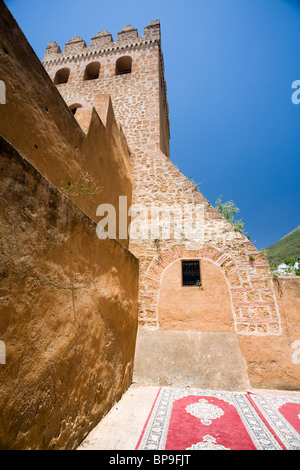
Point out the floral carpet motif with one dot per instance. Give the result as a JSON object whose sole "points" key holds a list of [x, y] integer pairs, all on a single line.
{"points": [[190, 419]]}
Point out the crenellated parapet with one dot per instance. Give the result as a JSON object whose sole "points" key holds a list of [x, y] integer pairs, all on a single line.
{"points": [[127, 35], [130, 69], [52, 50], [103, 41], [76, 44]]}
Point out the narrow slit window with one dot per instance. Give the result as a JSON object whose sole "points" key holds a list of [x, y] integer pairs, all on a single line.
{"points": [[191, 273]]}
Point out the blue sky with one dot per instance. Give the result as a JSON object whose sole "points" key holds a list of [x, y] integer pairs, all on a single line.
{"points": [[229, 67]]}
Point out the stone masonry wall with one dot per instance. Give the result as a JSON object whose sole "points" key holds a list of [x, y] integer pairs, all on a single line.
{"points": [[139, 100], [254, 306], [264, 322], [140, 104]]}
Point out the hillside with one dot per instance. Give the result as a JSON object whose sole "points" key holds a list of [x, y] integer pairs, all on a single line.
{"points": [[287, 247]]}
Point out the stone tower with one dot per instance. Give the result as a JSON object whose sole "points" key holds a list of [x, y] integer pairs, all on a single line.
{"points": [[130, 69], [233, 298]]}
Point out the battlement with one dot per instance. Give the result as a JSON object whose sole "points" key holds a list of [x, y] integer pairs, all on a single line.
{"points": [[130, 69], [103, 41]]}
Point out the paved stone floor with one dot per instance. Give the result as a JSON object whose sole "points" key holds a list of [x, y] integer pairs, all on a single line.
{"points": [[132, 411]]}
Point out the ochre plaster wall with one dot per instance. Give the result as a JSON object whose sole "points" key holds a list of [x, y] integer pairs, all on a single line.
{"points": [[38, 123], [287, 290], [270, 346], [68, 314], [205, 308], [274, 362], [68, 304]]}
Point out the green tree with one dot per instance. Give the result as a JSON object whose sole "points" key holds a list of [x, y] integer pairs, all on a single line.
{"points": [[229, 210], [290, 261]]}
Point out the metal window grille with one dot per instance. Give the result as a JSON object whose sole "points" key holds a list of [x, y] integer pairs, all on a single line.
{"points": [[191, 273]]}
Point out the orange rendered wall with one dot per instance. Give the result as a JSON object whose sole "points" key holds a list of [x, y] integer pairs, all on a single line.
{"points": [[39, 124], [205, 308]]}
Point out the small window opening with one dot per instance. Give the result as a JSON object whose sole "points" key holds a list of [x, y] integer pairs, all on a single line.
{"points": [[191, 273], [92, 71], [73, 108], [123, 65], [62, 76]]}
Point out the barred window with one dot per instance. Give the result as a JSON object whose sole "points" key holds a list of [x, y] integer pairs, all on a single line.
{"points": [[191, 273]]}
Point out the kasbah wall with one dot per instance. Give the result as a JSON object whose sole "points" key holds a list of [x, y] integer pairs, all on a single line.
{"points": [[119, 139], [68, 301], [238, 295]]}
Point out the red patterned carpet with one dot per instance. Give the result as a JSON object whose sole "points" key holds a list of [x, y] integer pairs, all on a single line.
{"points": [[188, 419]]}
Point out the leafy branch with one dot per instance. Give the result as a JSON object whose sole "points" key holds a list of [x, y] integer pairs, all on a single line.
{"points": [[229, 210]]}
